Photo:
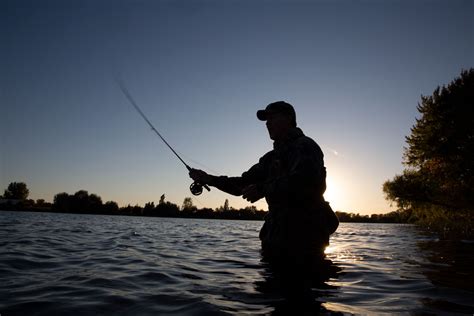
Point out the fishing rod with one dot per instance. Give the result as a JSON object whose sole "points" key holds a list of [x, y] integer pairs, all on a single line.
{"points": [[195, 187]]}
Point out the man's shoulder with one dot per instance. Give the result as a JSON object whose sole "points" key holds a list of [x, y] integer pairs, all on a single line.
{"points": [[268, 156], [305, 140], [308, 143]]}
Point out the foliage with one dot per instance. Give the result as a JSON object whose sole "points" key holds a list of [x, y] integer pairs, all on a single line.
{"points": [[402, 216], [16, 191], [111, 207], [80, 202], [162, 199], [439, 159], [188, 204], [225, 207]]}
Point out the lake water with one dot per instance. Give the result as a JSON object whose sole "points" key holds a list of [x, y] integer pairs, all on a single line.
{"points": [[91, 264]]}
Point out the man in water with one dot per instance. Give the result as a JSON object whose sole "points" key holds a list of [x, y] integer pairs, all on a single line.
{"points": [[292, 179]]}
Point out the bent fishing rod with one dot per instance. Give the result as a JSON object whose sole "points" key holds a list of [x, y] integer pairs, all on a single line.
{"points": [[195, 187]]}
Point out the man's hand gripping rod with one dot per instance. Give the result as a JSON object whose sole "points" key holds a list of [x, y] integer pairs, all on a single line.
{"points": [[195, 187]]}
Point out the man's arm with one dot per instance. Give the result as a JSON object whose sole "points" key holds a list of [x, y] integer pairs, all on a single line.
{"points": [[245, 185], [231, 185]]}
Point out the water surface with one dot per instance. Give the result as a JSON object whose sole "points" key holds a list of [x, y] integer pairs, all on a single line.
{"points": [[93, 264]]}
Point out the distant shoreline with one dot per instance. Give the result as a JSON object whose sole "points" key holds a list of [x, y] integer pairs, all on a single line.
{"points": [[81, 202], [226, 215]]}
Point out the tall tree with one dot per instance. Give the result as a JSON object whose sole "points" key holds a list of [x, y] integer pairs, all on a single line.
{"points": [[62, 202], [226, 205], [187, 204], [16, 191], [111, 207], [439, 158]]}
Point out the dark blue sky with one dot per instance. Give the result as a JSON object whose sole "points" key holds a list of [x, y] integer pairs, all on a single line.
{"points": [[354, 70]]}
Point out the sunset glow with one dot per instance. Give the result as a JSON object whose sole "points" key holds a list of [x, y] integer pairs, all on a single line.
{"points": [[354, 72]]}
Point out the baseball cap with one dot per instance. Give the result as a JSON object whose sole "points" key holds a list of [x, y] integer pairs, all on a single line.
{"points": [[277, 107]]}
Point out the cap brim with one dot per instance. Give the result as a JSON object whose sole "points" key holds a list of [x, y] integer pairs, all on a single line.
{"points": [[262, 115]]}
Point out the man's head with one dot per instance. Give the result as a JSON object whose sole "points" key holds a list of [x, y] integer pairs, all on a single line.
{"points": [[280, 117]]}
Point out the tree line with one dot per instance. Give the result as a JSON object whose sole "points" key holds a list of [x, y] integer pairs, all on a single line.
{"points": [[15, 198], [81, 202]]}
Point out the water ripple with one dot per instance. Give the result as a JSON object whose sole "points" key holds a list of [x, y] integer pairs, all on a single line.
{"points": [[85, 264]]}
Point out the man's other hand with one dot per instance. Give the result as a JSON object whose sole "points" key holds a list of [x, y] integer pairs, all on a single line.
{"points": [[251, 193]]}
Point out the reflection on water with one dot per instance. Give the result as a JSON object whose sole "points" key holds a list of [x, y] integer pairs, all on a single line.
{"points": [[449, 267], [298, 291], [399, 269], [64, 263]]}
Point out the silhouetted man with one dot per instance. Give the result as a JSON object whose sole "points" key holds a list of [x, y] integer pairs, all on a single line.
{"points": [[292, 178]]}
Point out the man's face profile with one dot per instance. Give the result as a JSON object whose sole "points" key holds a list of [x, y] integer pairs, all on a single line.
{"points": [[278, 126]]}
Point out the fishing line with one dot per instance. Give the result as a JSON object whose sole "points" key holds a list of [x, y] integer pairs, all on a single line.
{"points": [[203, 166], [195, 187]]}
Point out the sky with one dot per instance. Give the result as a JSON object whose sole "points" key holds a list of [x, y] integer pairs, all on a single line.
{"points": [[354, 71]]}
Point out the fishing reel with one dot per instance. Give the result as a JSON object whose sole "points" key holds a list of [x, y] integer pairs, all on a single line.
{"points": [[196, 188]]}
